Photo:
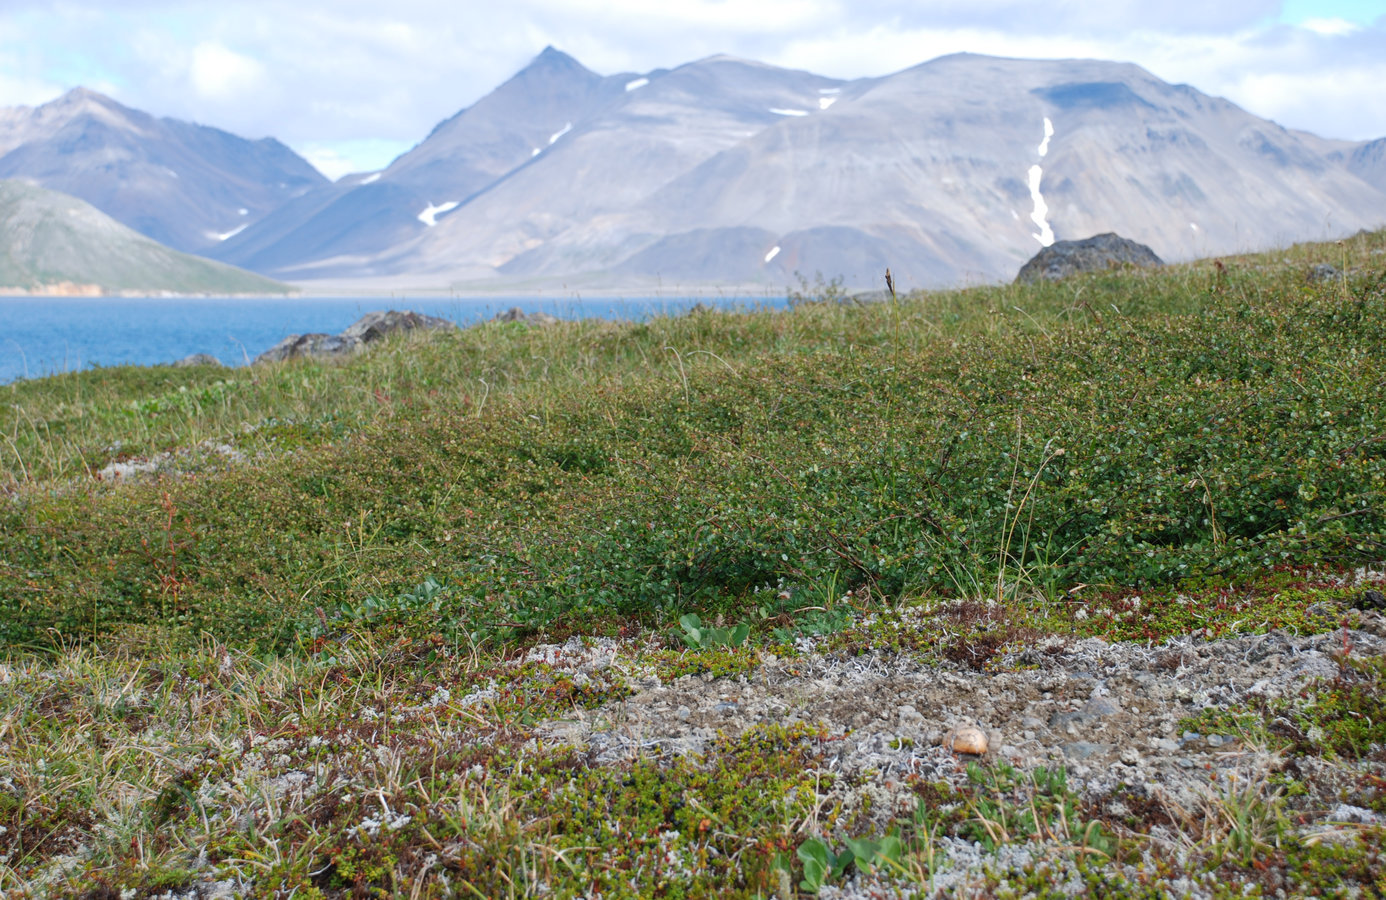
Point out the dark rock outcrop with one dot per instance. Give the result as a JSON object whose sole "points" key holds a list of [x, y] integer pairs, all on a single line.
{"points": [[364, 331], [1097, 253]]}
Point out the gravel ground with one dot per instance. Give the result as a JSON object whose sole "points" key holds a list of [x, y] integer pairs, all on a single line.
{"points": [[1108, 713]]}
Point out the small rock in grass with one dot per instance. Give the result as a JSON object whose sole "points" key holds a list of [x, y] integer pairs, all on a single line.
{"points": [[1082, 749], [515, 314], [1370, 600], [1355, 815], [1321, 273], [1098, 707], [202, 359], [966, 739]]}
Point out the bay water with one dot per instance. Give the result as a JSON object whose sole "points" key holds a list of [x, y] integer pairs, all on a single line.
{"points": [[46, 335]]}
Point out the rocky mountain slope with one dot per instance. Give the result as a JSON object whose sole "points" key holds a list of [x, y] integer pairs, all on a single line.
{"points": [[725, 171], [1367, 161], [185, 185], [53, 243], [484, 180]]}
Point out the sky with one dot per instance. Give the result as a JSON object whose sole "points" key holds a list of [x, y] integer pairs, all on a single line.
{"points": [[350, 84]]}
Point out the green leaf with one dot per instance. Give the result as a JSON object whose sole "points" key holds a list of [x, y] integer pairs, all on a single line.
{"points": [[818, 862]]}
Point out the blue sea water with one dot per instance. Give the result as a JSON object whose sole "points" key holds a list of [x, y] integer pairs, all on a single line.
{"points": [[47, 335]]}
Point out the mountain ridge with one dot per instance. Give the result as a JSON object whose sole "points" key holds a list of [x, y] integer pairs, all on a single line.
{"points": [[728, 171], [186, 185]]}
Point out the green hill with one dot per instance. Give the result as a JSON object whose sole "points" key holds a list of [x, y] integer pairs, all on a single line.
{"points": [[51, 242]]}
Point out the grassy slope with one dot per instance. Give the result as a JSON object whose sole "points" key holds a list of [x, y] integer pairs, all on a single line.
{"points": [[48, 238], [1077, 433], [1166, 432]]}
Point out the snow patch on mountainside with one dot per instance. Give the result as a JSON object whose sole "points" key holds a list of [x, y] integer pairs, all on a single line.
{"points": [[774, 252], [789, 112], [1041, 214], [825, 102], [558, 134], [430, 215], [228, 235], [637, 84], [1048, 133]]}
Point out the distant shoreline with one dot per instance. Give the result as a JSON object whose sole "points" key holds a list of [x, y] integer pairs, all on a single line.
{"points": [[67, 289]]}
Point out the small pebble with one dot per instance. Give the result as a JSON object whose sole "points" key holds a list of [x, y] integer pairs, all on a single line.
{"points": [[967, 740]]}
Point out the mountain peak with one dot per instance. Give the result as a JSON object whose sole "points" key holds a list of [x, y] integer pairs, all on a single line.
{"points": [[80, 96], [551, 58], [83, 100]]}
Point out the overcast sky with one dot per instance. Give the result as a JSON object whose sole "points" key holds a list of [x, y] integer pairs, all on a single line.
{"points": [[351, 83]]}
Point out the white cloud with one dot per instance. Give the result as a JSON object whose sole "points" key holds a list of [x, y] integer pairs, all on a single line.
{"points": [[24, 91], [219, 74], [1328, 103], [1329, 27]]}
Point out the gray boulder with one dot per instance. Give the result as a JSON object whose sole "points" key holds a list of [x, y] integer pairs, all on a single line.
{"points": [[315, 344], [364, 331], [197, 359], [1097, 253], [375, 325], [515, 314], [1322, 274]]}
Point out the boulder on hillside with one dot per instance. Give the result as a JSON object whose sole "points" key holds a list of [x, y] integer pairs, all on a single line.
{"points": [[515, 314], [366, 330], [197, 359], [314, 344], [375, 325], [1097, 253]]}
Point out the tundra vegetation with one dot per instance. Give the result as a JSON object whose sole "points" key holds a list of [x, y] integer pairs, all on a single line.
{"points": [[303, 654]]}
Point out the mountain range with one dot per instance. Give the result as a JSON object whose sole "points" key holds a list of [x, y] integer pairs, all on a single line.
{"points": [[727, 172]]}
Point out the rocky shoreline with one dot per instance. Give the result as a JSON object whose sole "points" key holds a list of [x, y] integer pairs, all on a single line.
{"points": [[365, 331]]}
